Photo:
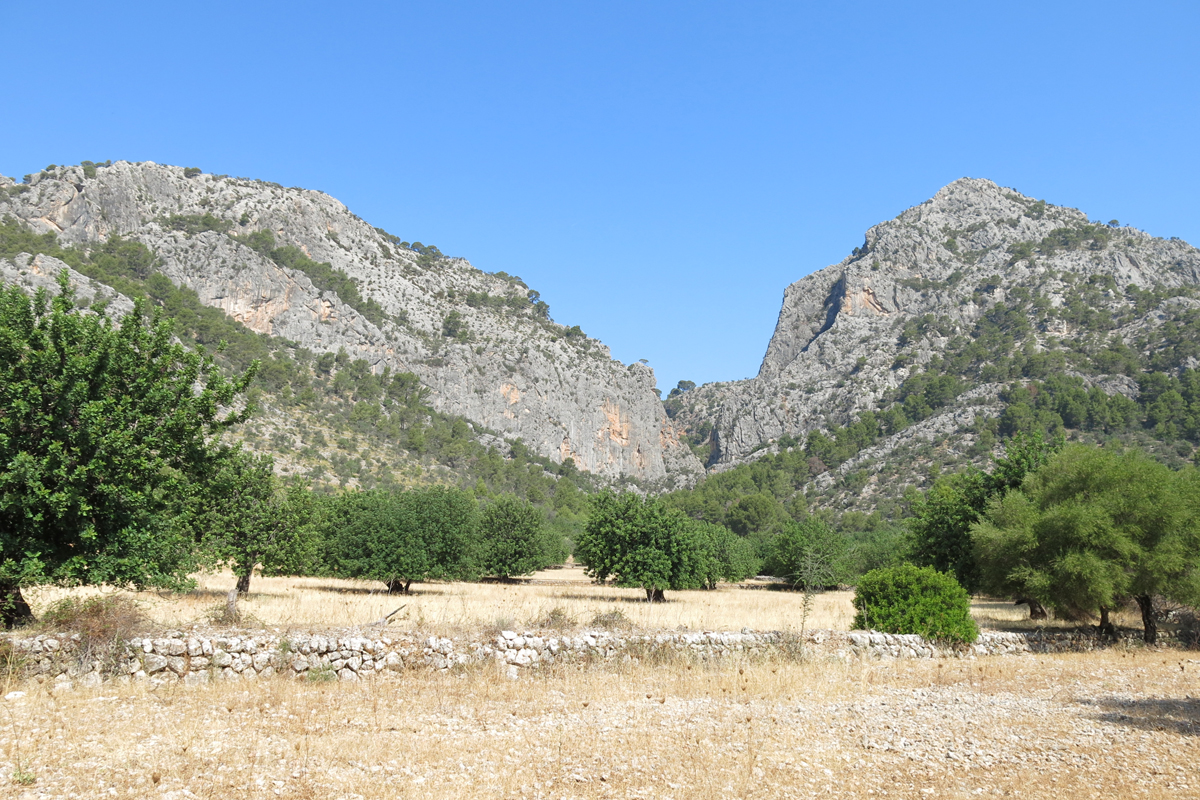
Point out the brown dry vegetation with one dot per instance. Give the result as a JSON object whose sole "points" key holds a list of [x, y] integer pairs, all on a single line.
{"points": [[1123, 723], [1113, 725], [469, 607]]}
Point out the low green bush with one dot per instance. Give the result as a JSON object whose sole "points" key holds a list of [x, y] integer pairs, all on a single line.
{"points": [[921, 600]]}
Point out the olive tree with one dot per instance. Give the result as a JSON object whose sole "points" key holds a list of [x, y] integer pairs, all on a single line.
{"points": [[1093, 528], [102, 427], [942, 518]]}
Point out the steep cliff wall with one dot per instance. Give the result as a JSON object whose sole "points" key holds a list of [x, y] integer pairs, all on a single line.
{"points": [[840, 345], [507, 368]]}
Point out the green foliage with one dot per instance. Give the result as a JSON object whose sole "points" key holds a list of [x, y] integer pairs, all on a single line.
{"points": [[724, 555], [402, 537], [920, 600], [102, 428], [515, 540], [191, 224], [809, 554], [191, 172], [455, 327], [245, 518], [942, 519], [1091, 529], [640, 542]]}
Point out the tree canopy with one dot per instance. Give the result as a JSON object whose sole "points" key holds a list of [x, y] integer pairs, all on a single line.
{"points": [[942, 519], [1093, 528], [402, 537], [642, 542], [101, 428]]}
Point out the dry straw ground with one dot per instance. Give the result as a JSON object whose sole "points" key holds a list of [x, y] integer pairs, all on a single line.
{"points": [[304, 603], [1119, 724], [1113, 725]]}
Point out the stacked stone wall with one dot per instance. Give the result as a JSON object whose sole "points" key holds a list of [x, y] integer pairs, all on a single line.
{"points": [[199, 657]]}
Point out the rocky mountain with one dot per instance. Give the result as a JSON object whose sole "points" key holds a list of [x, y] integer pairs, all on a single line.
{"points": [[914, 348], [297, 265]]}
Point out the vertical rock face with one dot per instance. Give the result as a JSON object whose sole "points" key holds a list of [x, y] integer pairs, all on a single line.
{"points": [[838, 346], [509, 370]]}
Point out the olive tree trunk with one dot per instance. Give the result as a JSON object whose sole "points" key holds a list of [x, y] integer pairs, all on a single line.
{"points": [[12, 604], [655, 595], [1106, 627], [1149, 618], [398, 586]]}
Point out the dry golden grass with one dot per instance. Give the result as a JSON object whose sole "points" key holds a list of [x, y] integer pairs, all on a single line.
{"points": [[1111, 725], [447, 607], [322, 602]]}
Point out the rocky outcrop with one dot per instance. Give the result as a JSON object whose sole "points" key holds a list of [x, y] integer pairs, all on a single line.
{"points": [[838, 346], [509, 370]]}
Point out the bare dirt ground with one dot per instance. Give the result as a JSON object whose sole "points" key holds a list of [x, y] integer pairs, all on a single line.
{"points": [[1106, 725]]}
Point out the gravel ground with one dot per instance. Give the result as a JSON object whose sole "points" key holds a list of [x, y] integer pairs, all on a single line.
{"points": [[1103, 724]]}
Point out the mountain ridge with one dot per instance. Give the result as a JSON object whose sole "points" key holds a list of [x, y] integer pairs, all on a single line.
{"points": [[482, 343]]}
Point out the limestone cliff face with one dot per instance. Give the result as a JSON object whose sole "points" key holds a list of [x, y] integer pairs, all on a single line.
{"points": [[562, 395], [837, 346]]}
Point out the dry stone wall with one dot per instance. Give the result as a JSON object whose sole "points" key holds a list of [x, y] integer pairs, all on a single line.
{"points": [[195, 657]]}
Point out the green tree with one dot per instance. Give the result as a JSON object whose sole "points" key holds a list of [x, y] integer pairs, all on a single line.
{"points": [[808, 554], [402, 537], [514, 538], [1090, 530], [725, 556], [640, 542], [941, 523], [247, 519], [102, 427]]}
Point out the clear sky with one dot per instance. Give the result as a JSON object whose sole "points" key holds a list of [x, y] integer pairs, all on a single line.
{"points": [[658, 171]]}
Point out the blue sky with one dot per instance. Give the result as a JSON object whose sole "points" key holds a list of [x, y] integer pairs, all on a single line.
{"points": [[659, 171]]}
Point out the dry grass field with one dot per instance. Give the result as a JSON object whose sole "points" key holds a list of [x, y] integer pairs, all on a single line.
{"points": [[1124, 723], [303, 603], [1109, 725]]}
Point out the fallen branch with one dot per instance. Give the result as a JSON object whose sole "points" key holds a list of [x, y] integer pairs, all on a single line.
{"points": [[388, 618]]}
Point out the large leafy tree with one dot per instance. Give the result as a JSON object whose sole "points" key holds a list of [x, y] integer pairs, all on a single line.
{"points": [[247, 519], [102, 427], [1093, 528], [942, 519], [514, 538], [809, 554], [402, 537], [640, 542], [725, 555]]}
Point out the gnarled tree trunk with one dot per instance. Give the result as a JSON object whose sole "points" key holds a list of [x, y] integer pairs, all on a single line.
{"points": [[1036, 609], [243, 583], [398, 586], [655, 595], [1149, 618], [1106, 628], [12, 604]]}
